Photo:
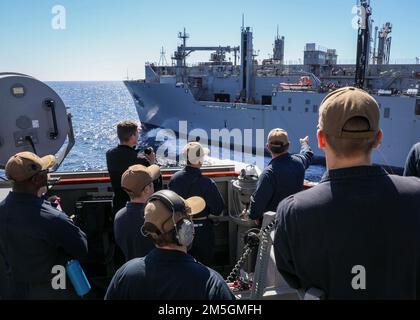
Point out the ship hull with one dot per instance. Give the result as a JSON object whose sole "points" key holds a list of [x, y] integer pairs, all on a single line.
{"points": [[166, 105]]}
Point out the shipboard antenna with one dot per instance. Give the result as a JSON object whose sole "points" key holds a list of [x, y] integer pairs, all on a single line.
{"points": [[162, 60]]}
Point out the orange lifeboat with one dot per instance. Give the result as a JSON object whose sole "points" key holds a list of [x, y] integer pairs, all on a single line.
{"points": [[305, 83]]}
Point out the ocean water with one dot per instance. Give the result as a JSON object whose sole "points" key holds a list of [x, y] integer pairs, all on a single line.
{"points": [[96, 108]]}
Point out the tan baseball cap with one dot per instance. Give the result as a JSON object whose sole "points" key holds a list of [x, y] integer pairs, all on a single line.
{"points": [[278, 138], [194, 152], [25, 165], [344, 104], [137, 177], [158, 214]]}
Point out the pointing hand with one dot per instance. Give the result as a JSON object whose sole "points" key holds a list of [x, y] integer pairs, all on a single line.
{"points": [[304, 140]]}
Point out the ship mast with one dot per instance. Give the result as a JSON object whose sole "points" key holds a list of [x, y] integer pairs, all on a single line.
{"points": [[363, 43], [162, 61]]}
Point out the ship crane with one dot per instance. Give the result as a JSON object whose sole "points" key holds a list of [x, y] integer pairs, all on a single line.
{"points": [[384, 46], [220, 51], [183, 52], [363, 43]]}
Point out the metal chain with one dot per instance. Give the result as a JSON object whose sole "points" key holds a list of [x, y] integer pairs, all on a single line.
{"points": [[262, 235], [264, 241], [265, 233], [234, 275], [268, 228]]}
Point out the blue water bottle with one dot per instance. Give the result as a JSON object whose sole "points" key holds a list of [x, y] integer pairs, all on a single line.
{"points": [[78, 278]]}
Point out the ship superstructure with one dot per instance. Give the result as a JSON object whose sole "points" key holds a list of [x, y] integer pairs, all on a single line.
{"points": [[247, 95]]}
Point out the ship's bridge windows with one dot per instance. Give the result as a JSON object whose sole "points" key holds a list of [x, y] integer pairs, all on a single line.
{"points": [[266, 100], [222, 97], [418, 108], [290, 109], [387, 113]]}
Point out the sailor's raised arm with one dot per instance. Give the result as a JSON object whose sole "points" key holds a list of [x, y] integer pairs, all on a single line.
{"points": [[306, 154]]}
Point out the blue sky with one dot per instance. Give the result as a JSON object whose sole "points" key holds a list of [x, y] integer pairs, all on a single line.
{"points": [[103, 38]]}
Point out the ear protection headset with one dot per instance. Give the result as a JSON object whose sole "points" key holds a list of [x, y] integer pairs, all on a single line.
{"points": [[184, 228]]}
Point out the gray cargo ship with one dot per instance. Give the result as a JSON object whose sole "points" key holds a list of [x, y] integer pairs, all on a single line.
{"points": [[247, 96]]}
